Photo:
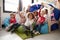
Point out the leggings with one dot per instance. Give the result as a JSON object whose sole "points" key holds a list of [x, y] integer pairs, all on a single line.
{"points": [[38, 27], [14, 26], [28, 28]]}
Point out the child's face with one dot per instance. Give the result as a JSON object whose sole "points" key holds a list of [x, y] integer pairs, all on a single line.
{"points": [[35, 14], [42, 12], [21, 14], [30, 16], [12, 16]]}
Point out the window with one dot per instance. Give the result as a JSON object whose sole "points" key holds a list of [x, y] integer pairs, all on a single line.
{"points": [[10, 5], [25, 3]]}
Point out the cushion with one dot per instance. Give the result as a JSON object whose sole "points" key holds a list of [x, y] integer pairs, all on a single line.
{"points": [[56, 13], [34, 7], [20, 29], [44, 29], [6, 21], [54, 26]]}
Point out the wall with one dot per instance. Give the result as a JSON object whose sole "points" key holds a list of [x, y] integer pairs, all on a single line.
{"points": [[3, 15]]}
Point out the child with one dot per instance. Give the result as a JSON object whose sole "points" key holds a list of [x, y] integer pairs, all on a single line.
{"points": [[12, 18], [21, 22], [29, 22], [22, 18], [35, 13], [45, 14], [12, 21], [41, 20]]}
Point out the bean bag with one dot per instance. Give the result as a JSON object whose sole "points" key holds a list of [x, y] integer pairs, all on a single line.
{"points": [[54, 26], [20, 29], [34, 7], [56, 13], [44, 29], [6, 21]]}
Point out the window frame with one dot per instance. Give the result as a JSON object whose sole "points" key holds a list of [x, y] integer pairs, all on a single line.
{"points": [[4, 8], [12, 11]]}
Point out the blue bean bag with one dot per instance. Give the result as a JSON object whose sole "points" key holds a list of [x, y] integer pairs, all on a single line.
{"points": [[56, 13], [6, 21], [34, 7], [44, 29], [54, 26]]}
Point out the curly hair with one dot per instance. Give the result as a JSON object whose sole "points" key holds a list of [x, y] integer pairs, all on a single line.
{"points": [[31, 14]]}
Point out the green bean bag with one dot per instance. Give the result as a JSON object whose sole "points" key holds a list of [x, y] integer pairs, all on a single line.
{"points": [[20, 29]]}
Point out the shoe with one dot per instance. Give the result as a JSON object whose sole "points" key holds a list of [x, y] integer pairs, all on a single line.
{"points": [[37, 32], [12, 32]]}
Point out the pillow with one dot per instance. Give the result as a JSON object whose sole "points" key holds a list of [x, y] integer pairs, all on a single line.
{"points": [[34, 7], [20, 29], [44, 29], [6, 21]]}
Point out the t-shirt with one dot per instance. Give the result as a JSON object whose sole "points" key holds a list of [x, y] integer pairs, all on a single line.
{"points": [[29, 22], [12, 20], [46, 17]]}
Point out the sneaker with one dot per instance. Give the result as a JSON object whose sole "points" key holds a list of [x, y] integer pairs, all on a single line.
{"points": [[34, 31], [37, 32]]}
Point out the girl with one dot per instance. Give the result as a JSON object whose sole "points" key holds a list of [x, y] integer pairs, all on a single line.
{"points": [[28, 23], [41, 20], [22, 17], [12, 18], [12, 21], [21, 22], [35, 13]]}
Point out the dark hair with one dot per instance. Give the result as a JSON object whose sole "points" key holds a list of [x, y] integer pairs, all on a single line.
{"points": [[12, 14], [32, 15], [58, 0], [27, 11], [46, 11], [36, 12]]}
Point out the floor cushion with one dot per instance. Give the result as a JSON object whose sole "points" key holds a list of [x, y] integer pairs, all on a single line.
{"points": [[44, 29], [54, 26], [6, 21], [20, 29]]}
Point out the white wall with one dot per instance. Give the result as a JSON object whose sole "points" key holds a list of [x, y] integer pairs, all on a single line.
{"points": [[3, 15]]}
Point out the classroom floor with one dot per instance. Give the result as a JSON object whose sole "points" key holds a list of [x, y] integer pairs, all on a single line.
{"points": [[55, 35], [8, 36]]}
